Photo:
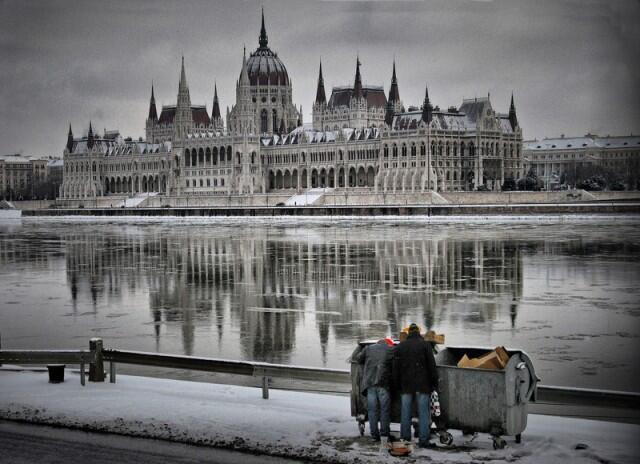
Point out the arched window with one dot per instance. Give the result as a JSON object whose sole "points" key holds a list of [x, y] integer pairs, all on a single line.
{"points": [[395, 150], [263, 121], [274, 121]]}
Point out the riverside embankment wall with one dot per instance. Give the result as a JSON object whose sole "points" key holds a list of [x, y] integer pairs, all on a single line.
{"points": [[373, 210], [338, 198]]}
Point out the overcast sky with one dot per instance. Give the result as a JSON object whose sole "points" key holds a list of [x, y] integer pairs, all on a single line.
{"points": [[572, 64]]}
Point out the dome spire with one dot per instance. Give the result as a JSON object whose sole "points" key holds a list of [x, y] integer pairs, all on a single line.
{"points": [[264, 40]]}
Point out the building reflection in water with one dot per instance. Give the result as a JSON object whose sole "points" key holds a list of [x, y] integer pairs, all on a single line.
{"points": [[264, 286]]}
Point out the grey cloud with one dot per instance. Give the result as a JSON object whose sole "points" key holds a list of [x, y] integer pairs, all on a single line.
{"points": [[572, 64]]}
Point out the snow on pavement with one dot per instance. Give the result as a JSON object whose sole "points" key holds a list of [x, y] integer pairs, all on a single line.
{"points": [[292, 424]]}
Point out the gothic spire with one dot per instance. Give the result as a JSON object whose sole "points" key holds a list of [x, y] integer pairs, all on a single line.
{"points": [[283, 129], [264, 40], [153, 114], [215, 111], [320, 95], [183, 79], [90, 138], [244, 74], [427, 109], [357, 86], [394, 93], [70, 139], [513, 119]]}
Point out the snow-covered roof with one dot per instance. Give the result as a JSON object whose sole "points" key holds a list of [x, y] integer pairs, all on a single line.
{"points": [[314, 136], [587, 141], [56, 162], [118, 146], [19, 158]]}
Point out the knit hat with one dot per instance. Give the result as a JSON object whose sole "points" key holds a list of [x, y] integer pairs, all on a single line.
{"points": [[414, 328]]}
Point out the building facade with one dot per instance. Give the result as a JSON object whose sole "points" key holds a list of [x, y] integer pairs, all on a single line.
{"points": [[24, 176], [571, 160], [359, 138]]}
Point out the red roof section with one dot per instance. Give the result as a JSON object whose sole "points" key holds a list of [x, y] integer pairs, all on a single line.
{"points": [[198, 113]]}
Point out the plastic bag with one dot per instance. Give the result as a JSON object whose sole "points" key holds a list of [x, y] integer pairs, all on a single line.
{"points": [[435, 404]]}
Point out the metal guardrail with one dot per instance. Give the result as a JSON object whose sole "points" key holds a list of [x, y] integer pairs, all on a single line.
{"points": [[588, 397], [545, 394], [80, 357], [222, 366]]}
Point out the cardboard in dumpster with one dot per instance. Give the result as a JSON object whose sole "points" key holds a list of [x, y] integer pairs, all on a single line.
{"points": [[496, 359], [430, 336]]}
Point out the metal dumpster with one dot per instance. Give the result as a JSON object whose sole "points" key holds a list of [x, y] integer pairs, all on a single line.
{"points": [[471, 400], [486, 400]]}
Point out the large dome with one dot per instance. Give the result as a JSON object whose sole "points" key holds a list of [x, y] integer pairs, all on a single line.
{"points": [[264, 66]]}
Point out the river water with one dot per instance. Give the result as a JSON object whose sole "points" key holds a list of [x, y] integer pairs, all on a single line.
{"points": [[304, 292]]}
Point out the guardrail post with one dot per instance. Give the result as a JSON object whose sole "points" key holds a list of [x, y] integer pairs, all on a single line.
{"points": [[112, 372], [265, 387], [96, 368]]}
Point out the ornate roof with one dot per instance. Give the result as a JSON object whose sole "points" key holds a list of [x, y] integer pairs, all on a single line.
{"points": [[264, 66]]}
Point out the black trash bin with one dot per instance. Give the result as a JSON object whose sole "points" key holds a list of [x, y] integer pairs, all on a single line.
{"points": [[56, 373]]}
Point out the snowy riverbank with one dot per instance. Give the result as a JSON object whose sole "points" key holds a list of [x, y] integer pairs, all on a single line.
{"points": [[292, 424]]}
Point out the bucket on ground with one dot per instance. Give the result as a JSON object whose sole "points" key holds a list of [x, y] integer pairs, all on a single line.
{"points": [[56, 373]]}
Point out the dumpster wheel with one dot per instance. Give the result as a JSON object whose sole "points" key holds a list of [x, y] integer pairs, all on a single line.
{"points": [[446, 438], [499, 443]]}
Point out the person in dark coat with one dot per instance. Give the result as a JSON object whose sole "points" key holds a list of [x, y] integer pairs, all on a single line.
{"points": [[415, 376], [375, 383]]}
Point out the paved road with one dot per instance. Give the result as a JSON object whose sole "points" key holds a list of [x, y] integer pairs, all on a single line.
{"points": [[26, 444]]}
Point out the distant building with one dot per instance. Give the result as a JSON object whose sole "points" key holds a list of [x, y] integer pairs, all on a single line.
{"points": [[358, 139], [24, 177], [571, 160]]}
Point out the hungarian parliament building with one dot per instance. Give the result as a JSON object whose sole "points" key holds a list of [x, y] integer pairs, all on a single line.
{"points": [[361, 138]]}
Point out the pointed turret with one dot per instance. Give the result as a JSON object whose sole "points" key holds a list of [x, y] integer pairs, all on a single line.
{"points": [[283, 129], [264, 40], [321, 98], [90, 138], [183, 87], [513, 119], [244, 73], [70, 139], [394, 93], [184, 118], [357, 85], [215, 111], [153, 113], [427, 109]]}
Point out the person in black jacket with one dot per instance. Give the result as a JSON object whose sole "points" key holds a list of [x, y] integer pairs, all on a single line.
{"points": [[415, 376], [375, 383]]}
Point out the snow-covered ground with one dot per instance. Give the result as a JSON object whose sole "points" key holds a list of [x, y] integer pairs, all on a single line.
{"points": [[292, 424]]}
